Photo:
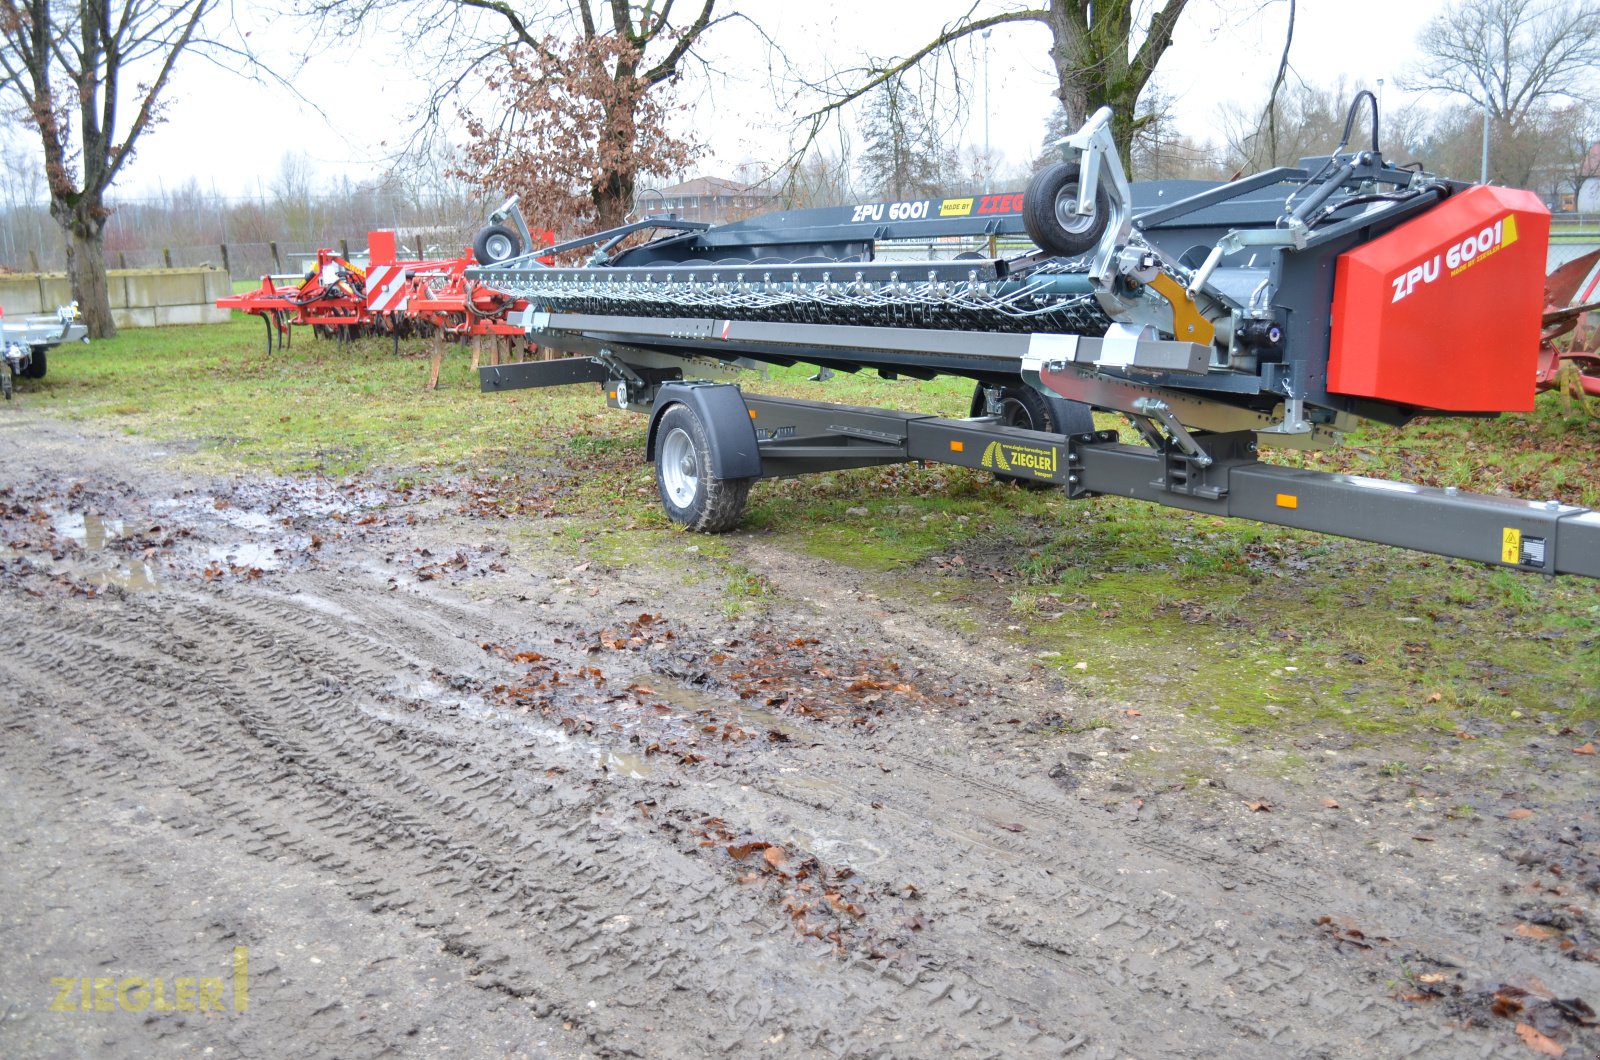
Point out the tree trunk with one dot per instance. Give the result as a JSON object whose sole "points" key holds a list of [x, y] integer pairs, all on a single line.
{"points": [[86, 264]]}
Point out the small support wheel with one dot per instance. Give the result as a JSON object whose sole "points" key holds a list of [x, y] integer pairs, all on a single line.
{"points": [[691, 492], [1050, 212], [1025, 407], [36, 364], [495, 244]]}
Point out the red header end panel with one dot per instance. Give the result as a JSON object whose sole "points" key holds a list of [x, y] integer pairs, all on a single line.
{"points": [[1443, 312]]}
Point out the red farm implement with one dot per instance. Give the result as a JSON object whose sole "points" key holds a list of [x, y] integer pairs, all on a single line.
{"points": [[340, 300], [331, 299], [1572, 298], [455, 309]]}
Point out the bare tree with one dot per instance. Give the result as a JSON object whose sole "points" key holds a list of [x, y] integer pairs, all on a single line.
{"points": [[69, 67], [1515, 60], [1307, 119], [903, 156], [1104, 54]]}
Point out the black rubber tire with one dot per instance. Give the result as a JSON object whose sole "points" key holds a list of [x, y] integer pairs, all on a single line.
{"points": [[36, 365], [1023, 406], [692, 494], [494, 244], [1065, 238]]}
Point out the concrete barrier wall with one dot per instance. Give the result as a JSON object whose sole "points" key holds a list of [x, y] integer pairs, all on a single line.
{"points": [[140, 298]]}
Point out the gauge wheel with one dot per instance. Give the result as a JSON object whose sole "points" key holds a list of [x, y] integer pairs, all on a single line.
{"points": [[1050, 212], [1025, 407], [495, 244]]}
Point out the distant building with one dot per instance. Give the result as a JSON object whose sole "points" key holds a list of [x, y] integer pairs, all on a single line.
{"points": [[1581, 193], [716, 200]]}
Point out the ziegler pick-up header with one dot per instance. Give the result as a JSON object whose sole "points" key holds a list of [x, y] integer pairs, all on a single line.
{"points": [[1279, 309]]}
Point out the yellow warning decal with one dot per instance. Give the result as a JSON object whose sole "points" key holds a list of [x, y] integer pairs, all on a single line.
{"points": [[955, 208], [1511, 546]]}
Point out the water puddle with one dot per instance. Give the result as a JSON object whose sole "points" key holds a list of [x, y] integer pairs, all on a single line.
{"points": [[245, 554], [90, 531], [139, 577], [93, 533], [692, 701], [636, 767]]}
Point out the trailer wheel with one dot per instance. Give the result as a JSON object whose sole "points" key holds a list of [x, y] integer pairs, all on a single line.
{"points": [[495, 244], [36, 364], [693, 495], [1050, 212], [1025, 407]]}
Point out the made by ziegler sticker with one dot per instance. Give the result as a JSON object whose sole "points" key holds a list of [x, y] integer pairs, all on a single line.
{"points": [[1458, 258], [919, 209]]}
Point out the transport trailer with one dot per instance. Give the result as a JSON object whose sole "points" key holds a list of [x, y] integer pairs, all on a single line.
{"points": [[25, 343], [1280, 309]]}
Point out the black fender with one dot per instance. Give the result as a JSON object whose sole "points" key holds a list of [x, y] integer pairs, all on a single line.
{"points": [[735, 452], [1072, 416]]}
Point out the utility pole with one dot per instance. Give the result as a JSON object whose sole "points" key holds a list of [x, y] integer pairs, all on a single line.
{"points": [[1483, 173], [988, 167]]}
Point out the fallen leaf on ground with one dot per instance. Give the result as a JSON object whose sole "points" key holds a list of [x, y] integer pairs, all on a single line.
{"points": [[774, 856], [1332, 804], [1013, 828], [1259, 807], [1534, 931], [1539, 1043], [1132, 713], [1586, 749], [1520, 813]]}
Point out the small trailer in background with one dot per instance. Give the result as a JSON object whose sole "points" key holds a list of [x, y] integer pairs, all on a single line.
{"points": [[25, 343], [1280, 309]]}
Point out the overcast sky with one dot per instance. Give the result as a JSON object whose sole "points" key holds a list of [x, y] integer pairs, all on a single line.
{"points": [[230, 132]]}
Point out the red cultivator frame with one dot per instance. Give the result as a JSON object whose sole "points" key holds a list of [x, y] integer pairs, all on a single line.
{"points": [[331, 300], [1573, 367], [392, 297]]}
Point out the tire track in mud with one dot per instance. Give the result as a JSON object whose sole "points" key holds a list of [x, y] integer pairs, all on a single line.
{"points": [[357, 813], [468, 839], [1143, 946]]}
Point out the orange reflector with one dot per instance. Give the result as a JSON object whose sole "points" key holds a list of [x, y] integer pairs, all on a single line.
{"points": [[613, 395], [752, 413], [1288, 500], [958, 447]]}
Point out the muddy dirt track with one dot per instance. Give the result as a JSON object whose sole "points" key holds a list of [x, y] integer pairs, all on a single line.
{"points": [[454, 792]]}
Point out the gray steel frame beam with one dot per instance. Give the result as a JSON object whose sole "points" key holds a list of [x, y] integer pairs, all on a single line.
{"points": [[541, 374], [1151, 354], [1543, 537]]}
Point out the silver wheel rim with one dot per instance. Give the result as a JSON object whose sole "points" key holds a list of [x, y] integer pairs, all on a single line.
{"points": [[1014, 413], [1067, 215], [680, 471], [498, 246]]}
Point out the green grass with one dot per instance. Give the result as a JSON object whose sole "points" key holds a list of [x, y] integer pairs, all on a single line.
{"points": [[1240, 626], [318, 406]]}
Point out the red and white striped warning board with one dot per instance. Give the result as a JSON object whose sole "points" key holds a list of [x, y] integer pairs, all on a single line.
{"points": [[386, 289]]}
